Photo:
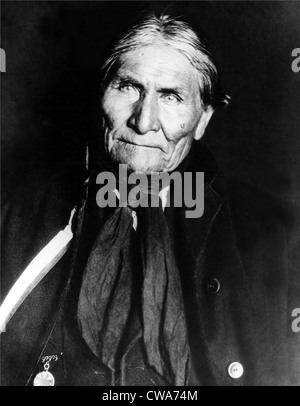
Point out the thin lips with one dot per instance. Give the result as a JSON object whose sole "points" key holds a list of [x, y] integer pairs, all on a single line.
{"points": [[140, 145]]}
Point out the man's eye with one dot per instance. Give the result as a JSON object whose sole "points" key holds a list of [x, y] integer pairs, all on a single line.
{"points": [[171, 99], [128, 89]]}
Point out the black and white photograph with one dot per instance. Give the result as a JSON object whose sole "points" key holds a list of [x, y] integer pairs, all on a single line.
{"points": [[150, 195]]}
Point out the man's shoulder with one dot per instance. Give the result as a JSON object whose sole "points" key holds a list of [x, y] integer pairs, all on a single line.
{"points": [[39, 196], [260, 219], [251, 205], [32, 213]]}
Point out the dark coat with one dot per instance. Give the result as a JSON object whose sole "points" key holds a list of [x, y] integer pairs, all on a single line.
{"points": [[240, 244]]}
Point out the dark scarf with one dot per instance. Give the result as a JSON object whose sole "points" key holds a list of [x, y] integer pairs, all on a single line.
{"points": [[131, 288]]}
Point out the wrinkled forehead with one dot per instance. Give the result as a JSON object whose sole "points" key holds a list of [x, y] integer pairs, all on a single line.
{"points": [[158, 64]]}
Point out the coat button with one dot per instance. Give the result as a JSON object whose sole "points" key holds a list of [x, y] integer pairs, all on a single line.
{"points": [[213, 286], [235, 370]]}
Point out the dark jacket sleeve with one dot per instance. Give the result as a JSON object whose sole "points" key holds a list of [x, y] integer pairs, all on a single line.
{"points": [[268, 238], [31, 216]]}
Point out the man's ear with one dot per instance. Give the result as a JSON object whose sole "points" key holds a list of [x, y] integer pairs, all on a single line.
{"points": [[204, 120]]}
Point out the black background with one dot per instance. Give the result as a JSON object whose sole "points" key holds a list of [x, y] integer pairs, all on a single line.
{"points": [[50, 92]]}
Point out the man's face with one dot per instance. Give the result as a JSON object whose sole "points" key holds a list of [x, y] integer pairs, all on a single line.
{"points": [[152, 110]]}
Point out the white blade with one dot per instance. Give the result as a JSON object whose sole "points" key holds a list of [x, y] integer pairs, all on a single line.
{"points": [[35, 272]]}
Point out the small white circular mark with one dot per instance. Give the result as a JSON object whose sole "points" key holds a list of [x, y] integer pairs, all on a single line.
{"points": [[44, 379], [235, 370]]}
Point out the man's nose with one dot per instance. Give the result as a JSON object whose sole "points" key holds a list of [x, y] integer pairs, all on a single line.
{"points": [[145, 117]]}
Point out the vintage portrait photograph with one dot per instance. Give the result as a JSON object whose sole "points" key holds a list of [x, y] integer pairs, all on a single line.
{"points": [[150, 195]]}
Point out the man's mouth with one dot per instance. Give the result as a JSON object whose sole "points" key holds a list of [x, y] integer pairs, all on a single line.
{"points": [[135, 144]]}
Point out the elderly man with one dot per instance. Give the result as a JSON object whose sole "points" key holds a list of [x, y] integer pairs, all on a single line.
{"points": [[146, 295]]}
